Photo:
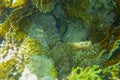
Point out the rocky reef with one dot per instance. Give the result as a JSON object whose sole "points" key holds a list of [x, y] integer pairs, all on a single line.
{"points": [[59, 39]]}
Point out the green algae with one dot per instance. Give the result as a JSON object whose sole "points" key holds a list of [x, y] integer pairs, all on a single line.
{"points": [[87, 51]]}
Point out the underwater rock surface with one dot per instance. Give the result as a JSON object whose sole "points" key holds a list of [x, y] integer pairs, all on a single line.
{"points": [[59, 40]]}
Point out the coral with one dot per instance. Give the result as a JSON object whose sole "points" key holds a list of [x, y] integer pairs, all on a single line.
{"points": [[6, 69], [111, 37], [115, 50], [44, 5], [96, 32], [43, 30], [78, 9], [43, 71], [113, 55], [86, 56], [111, 72], [71, 55], [94, 72], [103, 10], [15, 21], [81, 45], [102, 17], [97, 15], [27, 75], [62, 57], [32, 46], [117, 13], [4, 4], [10, 58], [108, 41], [20, 54], [85, 74], [111, 44], [19, 3], [12, 3], [78, 34]]}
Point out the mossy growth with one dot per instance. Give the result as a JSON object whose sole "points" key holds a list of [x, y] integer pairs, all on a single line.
{"points": [[18, 3], [4, 4], [111, 72], [85, 74], [44, 6], [32, 46], [44, 70], [96, 31], [113, 55], [62, 57], [18, 20], [6, 68], [111, 44], [78, 9], [95, 73], [71, 55], [111, 37]]}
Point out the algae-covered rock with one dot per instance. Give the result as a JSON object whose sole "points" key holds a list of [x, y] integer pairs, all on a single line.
{"points": [[12, 3], [4, 4], [113, 71], [6, 69], [75, 32], [71, 55], [62, 56], [78, 9], [45, 33], [94, 72], [44, 5], [85, 74], [39, 68], [15, 55], [87, 54], [42, 46], [18, 22], [102, 18], [32, 46], [18, 3], [103, 10], [10, 60]]}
